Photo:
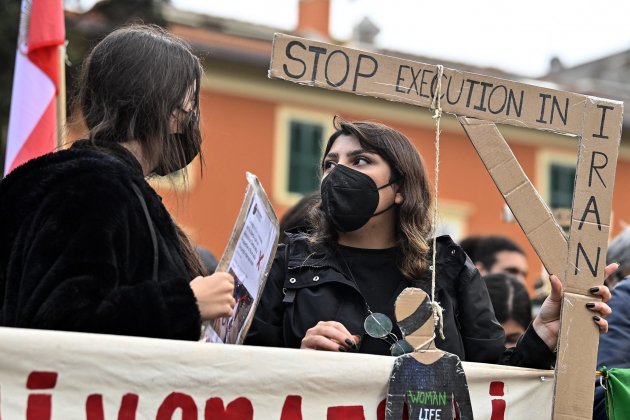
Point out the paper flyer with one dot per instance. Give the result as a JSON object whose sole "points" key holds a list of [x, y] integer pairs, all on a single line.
{"points": [[248, 257]]}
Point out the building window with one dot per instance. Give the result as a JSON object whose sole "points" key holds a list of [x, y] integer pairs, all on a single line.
{"points": [[299, 140], [561, 184], [305, 148]]}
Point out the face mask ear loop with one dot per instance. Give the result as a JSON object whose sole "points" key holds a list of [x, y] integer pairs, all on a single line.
{"points": [[393, 204]]}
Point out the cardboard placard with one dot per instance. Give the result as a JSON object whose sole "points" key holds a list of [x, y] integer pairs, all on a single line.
{"points": [[529, 209], [580, 259], [467, 94]]}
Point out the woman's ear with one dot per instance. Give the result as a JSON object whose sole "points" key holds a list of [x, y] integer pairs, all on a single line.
{"points": [[398, 199]]}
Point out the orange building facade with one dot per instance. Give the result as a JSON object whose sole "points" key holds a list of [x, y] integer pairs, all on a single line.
{"points": [[247, 120]]}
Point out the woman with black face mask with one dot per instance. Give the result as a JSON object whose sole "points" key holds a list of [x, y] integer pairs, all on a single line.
{"points": [[335, 289], [85, 242]]}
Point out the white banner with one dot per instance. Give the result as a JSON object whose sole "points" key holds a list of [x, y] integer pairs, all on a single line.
{"points": [[46, 375]]}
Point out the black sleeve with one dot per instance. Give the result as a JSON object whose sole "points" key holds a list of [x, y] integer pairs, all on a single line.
{"points": [[266, 329], [530, 351], [396, 391], [482, 335], [77, 264]]}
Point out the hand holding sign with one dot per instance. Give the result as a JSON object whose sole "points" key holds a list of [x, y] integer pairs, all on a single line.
{"points": [[214, 295], [547, 323]]}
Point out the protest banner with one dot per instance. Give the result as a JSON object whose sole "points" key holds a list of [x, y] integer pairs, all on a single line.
{"points": [[480, 101], [248, 258], [52, 375]]}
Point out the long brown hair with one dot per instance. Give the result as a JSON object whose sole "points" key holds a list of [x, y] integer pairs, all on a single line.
{"points": [[132, 84], [408, 170]]}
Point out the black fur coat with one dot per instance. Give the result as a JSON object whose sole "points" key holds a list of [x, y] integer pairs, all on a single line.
{"points": [[76, 252]]}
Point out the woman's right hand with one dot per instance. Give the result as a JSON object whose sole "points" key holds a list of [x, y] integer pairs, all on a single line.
{"points": [[214, 295], [329, 336]]}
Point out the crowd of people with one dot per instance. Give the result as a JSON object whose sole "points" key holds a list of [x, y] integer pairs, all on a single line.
{"points": [[87, 245]]}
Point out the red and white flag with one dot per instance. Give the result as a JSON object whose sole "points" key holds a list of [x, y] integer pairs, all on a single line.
{"points": [[33, 118]]}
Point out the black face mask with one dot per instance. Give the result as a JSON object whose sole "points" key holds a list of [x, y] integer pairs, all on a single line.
{"points": [[189, 150], [349, 198]]}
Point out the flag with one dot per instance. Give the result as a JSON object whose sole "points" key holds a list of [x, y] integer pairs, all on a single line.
{"points": [[33, 116], [617, 393]]}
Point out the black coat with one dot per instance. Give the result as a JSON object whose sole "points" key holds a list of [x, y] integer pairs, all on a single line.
{"points": [[76, 251], [312, 287]]}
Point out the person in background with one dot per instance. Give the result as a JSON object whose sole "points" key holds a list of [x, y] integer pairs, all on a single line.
{"points": [[614, 347], [470, 245], [295, 219], [511, 304], [499, 254], [85, 243]]}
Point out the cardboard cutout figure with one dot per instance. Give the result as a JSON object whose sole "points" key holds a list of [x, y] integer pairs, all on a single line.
{"points": [[430, 382]]}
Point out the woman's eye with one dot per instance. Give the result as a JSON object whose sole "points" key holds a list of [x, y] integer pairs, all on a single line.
{"points": [[328, 165], [361, 161]]}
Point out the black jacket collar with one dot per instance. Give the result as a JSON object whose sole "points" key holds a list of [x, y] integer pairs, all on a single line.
{"points": [[450, 258]]}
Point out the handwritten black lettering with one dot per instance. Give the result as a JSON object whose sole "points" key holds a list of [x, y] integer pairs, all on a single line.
{"points": [[290, 45], [596, 168], [345, 75], [448, 91], [580, 249], [481, 106], [357, 71], [422, 82], [434, 85], [317, 51], [500, 101], [414, 81], [591, 202], [512, 101], [470, 90], [400, 78], [555, 105], [542, 107], [604, 108]]}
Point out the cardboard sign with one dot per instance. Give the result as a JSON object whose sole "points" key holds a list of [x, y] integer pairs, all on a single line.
{"points": [[467, 94], [481, 101], [51, 375]]}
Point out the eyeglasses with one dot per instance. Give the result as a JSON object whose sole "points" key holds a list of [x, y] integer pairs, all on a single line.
{"points": [[378, 325]]}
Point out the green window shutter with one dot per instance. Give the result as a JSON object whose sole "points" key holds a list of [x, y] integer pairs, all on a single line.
{"points": [[562, 180], [305, 148]]}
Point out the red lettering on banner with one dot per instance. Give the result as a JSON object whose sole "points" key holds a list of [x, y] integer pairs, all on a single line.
{"points": [[239, 409], [350, 412], [39, 406], [174, 401], [498, 404], [292, 408], [127, 411]]}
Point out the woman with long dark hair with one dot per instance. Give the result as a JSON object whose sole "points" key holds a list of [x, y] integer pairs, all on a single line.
{"points": [[86, 244], [335, 288]]}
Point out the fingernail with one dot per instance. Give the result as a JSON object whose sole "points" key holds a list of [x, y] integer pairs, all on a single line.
{"points": [[594, 289], [351, 343], [596, 318], [590, 305], [342, 349]]}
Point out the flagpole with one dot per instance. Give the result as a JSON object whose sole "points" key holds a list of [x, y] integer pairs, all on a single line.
{"points": [[61, 99]]}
